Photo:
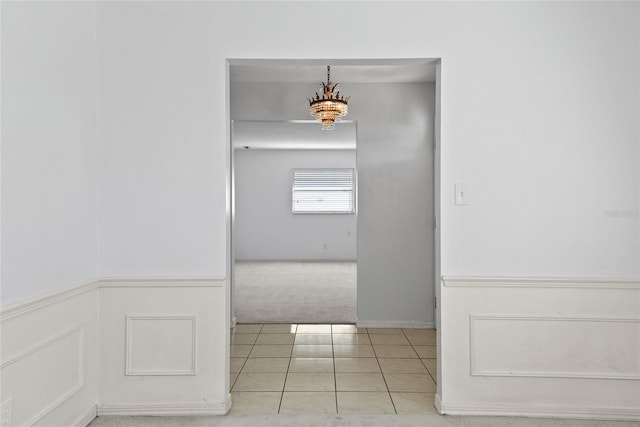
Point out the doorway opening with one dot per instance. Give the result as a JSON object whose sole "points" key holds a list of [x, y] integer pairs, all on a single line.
{"points": [[295, 219], [395, 103]]}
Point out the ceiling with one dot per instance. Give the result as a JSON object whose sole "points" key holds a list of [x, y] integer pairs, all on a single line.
{"points": [[292, 135], [342, 71]]}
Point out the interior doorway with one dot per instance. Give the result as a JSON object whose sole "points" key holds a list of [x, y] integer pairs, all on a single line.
{"points": [[295, 222], [396, 104]]}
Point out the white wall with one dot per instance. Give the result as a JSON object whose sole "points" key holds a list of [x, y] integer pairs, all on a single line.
{"points": [[265, 228], [49, 345], [540, 115], [49, 148]]}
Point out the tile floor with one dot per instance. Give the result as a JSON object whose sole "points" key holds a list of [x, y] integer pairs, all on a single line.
{"points": [[332, 369]]}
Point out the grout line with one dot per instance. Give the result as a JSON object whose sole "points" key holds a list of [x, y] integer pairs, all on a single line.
{"points": [[382, 373], [245, 359], [335, 379], [286, 375]]}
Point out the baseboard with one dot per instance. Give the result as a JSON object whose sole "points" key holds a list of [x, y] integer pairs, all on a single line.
{"points": [[394, 324], [166, 409], [438, 404], [234, 322], [506, 410], [90, 416], [228, 404]]}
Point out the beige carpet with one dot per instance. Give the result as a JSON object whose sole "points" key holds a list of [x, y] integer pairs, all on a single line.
{"points": [[295, 292]]}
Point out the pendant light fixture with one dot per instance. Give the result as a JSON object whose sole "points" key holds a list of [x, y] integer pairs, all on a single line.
{"points": [[329, 107]]}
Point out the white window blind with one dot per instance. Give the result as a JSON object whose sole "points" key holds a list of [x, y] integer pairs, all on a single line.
{"points": [[323, 191]]}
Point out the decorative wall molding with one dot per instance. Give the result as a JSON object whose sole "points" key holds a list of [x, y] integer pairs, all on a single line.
{"points": [[473, 363], [79, 384], [530, 410], [44, 300], [541, 282], [46, 343], [164, 409], [129, 343], [161, 282], [394, 324], [88, 417]]}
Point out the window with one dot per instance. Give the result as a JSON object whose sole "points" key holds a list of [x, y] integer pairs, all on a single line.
{"points": [[323, 191]]}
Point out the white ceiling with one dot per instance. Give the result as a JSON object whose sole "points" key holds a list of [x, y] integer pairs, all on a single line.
{"points": [[292, 135], [380, 71]]}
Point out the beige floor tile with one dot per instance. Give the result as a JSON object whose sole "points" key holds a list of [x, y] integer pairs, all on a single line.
{"points": [[373, 331], [312, 351], [402, 366], [255, 403], [421, 339], [244, 338], [266, 364], [233, 376], [432, 366], [359, 382], [311, 364], [247, 328], [236, 364], [426, 351], [314, 329], [259, 382], [357, 364], [414, 403], [410, 382], [353, 351], [307, 381], [240, 350], [279, 328], [275, 339], [389, 339], [395, 351], [364, 403], [308, 402], [347, 329], [315, 339], [271, 350], [419, 332], [351, 339]]}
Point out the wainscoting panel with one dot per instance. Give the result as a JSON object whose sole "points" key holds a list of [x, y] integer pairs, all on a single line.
{"points": [[161, 345], [160, 341], [49, 358], [548, 347], [59, 360], [554, 347]]}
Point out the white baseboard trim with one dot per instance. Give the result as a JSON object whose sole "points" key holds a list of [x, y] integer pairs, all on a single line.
{"points": [[438, 404], [498, 409], [228, 403], [166, 409], [394, 324], [234, 322], [86, 420]]}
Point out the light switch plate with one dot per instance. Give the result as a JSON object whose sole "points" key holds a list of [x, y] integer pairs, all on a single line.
{"points": [[462, 194]]}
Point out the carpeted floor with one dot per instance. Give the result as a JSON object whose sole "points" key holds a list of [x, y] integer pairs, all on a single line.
{"points": [[295, 292]]}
